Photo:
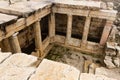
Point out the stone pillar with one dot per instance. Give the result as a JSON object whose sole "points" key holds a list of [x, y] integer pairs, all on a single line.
{"points": [[106, 32], [15, 43], [52, 26], [69, 28], [85, 32], [38, 38]]}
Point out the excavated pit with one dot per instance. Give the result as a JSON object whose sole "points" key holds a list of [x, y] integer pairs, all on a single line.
{"points": [[73, 57], [81, 31]]}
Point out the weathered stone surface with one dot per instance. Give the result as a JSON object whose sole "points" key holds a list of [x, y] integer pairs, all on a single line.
{"points": [[92, 68], [85, 76], [18, 66], [112, 58], [110, 49], [110, 52], [15, 1], [108, 62], [103, 5], [50, 70], [15, 72], [3, 3], [118, 51], [111, 73], [110, 5], [24, 7], [86, 65], [116, 61], [3, 56], [21, 60], [79, 4]]}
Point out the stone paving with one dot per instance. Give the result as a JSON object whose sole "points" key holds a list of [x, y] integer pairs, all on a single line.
{"points": [[21, 66]]}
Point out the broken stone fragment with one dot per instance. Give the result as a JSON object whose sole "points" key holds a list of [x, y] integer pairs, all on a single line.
{"points": [[110, 52], [110, 5], [116, 61], [108, 62], [110, 49], [103, 5], [92, 68]]}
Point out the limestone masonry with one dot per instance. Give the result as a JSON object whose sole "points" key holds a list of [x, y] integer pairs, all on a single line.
{"points": [[33, 27]]}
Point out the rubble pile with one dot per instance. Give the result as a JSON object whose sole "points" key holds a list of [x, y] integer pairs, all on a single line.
{"points": [[112, 57], [112, 49]]}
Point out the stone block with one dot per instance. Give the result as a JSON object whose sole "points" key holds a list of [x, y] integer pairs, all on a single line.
{"points": [[18, 66], [86, 65], [110, 49], [110, 52], [111, 73], [116, 61], [85, 76], [3, 56], [21, 60], [92, 68], [50, 70], [15, 73], [108, 62]]}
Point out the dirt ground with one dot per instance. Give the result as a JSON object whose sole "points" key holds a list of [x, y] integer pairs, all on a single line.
{"points": [[71, 57]]}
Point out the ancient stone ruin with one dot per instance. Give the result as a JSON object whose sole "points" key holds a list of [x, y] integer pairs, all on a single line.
{"points": [[60, 40]]}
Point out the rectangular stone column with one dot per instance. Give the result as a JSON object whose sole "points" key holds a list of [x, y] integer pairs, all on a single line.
{"points": [[52, 27], [85, 31], [14, 43], [38, 38], [69, 29], [106, 32]]}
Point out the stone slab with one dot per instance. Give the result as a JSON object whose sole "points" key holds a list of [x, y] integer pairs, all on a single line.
{"points": [[4, 56], [24, 8], [111, 73], [3, 3], [110, 45], [21, 60], [94, 5], [4, 18], [15, 73], [18, 67], [50, 70], [104, 14], [85, 76]]}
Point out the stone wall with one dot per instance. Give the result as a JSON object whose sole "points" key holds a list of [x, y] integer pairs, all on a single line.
{"points": [[95, 32]]}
